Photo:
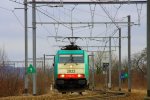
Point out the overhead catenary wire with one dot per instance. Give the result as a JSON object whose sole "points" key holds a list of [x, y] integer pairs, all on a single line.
{"points": [[56, 30], [117, 10], [13, 12], [43, 25], [5, 9], [139, 11], [19, 3], [88, 12], [104, 9], [69, 16], [112, 19], [18, 19], [51, 17], [71, 20], [15, 0], [83, 26], [15, 15], [92, 18], [54, 18], [107, 42]]}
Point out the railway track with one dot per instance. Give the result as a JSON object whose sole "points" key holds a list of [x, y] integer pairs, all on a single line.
{"points": [[99, 95], [88, 95]]}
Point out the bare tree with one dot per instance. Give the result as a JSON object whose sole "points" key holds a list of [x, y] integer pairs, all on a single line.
{"points": [[139, 61], [3, 56]]}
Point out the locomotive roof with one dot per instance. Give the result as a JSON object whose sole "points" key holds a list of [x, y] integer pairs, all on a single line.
{"points": [[70, 52], [71, 47]]}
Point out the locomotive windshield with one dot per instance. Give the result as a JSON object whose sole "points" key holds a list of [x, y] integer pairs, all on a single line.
{"points": [[71, 59]]}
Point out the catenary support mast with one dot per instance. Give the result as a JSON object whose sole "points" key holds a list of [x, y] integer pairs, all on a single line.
{"points": [[110, 64], [119, 59], [26, 45], [34, 43], [148, 48], [129, 53]]}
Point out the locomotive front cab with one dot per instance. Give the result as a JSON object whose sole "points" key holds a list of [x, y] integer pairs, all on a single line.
{"points": [[71, 69]]}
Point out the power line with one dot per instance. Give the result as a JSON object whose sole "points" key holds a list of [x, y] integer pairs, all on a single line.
{"points": [[88, 23], [51, 17], [139, 11], [6, 9], [13, 12], [88, 2], [15, 1], [107, 13], [92, 18], [84, 11], [44, 26], [18, 19]]}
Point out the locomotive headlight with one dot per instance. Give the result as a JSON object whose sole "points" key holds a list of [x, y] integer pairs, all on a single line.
{"points": [[71, 66], [79, 75], [62, 75]]}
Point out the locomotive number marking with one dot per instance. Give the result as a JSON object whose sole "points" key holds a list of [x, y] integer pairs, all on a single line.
{"points": [[70, 71]]}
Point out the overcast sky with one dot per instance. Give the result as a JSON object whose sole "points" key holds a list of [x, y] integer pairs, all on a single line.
{"points": [[12, 27]]}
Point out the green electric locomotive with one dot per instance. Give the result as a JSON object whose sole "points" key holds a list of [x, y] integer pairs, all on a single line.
{"points": [[71, 69]]}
